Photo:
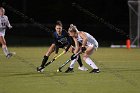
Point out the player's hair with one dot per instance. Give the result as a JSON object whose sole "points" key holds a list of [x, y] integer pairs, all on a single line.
{"points": [[3, 10], [73, 28], [59, 23]]}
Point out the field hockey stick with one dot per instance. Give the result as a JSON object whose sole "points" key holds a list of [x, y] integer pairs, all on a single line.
{"points": [[55, 58], [59, 69]]}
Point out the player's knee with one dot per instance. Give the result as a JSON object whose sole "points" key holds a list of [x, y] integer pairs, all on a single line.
{"points": [[85, 57], [4, 45], [48, 54]]}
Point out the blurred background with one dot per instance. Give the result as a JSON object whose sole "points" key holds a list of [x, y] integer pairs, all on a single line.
{"points": [[33, 20]]}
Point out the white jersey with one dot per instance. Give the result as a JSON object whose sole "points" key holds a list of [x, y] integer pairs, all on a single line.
{"points": [[90, 42], [3, 23]]}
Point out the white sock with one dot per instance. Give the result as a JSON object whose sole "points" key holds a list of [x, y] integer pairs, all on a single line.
{"points": [[73, 62], [5, 50], [91, 63]]}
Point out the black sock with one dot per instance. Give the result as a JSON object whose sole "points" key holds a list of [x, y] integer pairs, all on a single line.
{"points": [[44, 61], [79, 61]]}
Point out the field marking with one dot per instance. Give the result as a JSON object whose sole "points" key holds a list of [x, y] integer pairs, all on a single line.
{"points": [[117, 74], [57, 81]]}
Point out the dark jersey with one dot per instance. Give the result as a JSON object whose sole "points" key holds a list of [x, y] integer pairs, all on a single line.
{"points": [[63, 40]]}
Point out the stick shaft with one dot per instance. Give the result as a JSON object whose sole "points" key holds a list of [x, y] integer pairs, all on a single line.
{"points": [[68, 61], [59, 55], [54, 59], [64, 64]]}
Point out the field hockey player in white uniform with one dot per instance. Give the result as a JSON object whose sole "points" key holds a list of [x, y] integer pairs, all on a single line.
{"points": [[4, 23], [89, 45]]}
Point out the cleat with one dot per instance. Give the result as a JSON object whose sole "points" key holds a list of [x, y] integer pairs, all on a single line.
{"points": [[83, 68], [40, 69], [95, 71], [9, 55], [69, 70]]}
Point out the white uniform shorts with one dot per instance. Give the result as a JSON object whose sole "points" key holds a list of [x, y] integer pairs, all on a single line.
{"points": [[2, 33]]}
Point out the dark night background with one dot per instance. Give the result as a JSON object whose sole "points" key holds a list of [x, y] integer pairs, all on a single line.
{"points": [[47, 12]]}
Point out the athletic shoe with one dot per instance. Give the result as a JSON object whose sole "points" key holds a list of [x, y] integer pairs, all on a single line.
{"points": [[40, 69], [69, 70], [9, 55], [83, 68], [95, 71]]}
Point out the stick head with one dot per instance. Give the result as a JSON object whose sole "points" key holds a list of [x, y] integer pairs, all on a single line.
{"points": [[59, 70]]}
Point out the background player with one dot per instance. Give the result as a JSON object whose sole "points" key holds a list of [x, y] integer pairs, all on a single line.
{"points": [[4, 23], [61, 40], [89, 44]]}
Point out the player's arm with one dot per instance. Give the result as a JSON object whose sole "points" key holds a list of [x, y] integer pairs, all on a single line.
{"points": [[8, 23], [84, 37], [55, 42], [76, 45], [0, 25]]}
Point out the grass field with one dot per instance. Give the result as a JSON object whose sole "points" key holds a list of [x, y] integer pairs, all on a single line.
{"points": [[120, 73]]}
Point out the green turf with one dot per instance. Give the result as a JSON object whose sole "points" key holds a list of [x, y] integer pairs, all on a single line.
{"points": [[120, 73]]}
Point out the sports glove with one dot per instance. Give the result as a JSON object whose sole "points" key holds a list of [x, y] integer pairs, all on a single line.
{"points": [[83, 49], [73, 57]]}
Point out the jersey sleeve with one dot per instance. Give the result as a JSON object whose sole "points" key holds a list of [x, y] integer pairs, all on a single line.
{"points": [[69, 44]]}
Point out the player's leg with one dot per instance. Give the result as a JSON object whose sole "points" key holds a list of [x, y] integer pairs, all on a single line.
{"points": [[81, 66], [46, 57], [70, 68], [86, 58], [48, 53], [4, 47], [78, 59]]}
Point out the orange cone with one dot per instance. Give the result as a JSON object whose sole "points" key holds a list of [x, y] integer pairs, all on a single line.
{"points": [[128, 43]]}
